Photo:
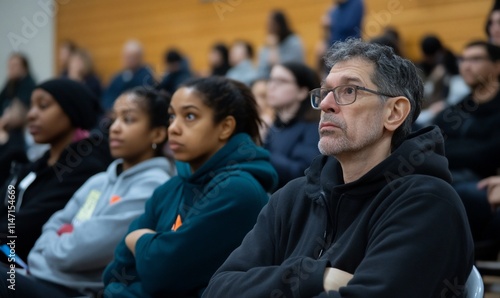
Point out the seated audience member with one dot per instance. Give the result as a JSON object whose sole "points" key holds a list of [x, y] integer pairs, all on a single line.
{"points": [[66, 48], [493, 24], [360, 224], [61, 112], [443, 85], [134, 74], [12, 139], [282, 45], [266, 112], [14, 104], [293, 138], [177, 72], [81, 69], [240, 57], [78, 241], [19, 83], [194, 221], [472, 132], [218, 60], [345, 20]]}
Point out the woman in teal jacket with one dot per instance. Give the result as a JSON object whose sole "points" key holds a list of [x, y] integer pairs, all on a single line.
{"points": [[195, 220]]}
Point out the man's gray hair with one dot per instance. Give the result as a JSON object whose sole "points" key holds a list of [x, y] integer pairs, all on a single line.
{"points": [[393, 75]]}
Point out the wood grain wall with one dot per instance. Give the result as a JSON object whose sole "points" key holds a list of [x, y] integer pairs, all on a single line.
{"points": [[102, 26]]}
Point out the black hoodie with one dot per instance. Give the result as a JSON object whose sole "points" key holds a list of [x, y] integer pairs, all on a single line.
{"points": [[400, 229]]}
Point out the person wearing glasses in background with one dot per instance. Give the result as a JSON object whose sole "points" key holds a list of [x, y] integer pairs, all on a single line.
{"points": [[472, 139], [375, 215]]}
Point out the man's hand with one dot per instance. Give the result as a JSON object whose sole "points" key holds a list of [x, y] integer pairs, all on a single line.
{"points": [[131, 239], [334, 278], [492, 184]]}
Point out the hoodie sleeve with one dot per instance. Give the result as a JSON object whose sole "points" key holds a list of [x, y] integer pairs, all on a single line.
{"points": [[63, 216], [121, 271], [182, 260], [407, 256], [91, 244], [254, 269]]}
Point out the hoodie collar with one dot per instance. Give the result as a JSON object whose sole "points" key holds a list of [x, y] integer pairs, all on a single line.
{"points": [[421, 153], [240, 153]]}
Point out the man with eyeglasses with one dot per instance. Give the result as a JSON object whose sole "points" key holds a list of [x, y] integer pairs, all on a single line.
{"points": [[472, 138], [375, 215]]}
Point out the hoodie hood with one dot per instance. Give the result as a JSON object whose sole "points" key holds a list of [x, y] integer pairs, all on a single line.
{"points": [[422, 153], [153, 163], [239, 154]]}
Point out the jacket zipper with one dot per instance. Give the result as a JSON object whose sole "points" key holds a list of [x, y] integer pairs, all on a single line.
{"points": [[329, 220]]}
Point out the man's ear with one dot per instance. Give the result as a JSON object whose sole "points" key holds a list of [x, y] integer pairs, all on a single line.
{"points": [[397, 110], [227, 127]]}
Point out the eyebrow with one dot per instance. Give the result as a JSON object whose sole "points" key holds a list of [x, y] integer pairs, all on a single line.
{"points": [[187, 107]]}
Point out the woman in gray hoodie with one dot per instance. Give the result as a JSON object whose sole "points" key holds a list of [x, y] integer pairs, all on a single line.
{"points": [[78, 241]]}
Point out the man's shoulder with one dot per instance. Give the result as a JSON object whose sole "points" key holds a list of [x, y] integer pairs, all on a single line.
{"points": [[424, 187]]}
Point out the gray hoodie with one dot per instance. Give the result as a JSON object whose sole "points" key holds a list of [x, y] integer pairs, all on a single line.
{"points": [[100, 212]]}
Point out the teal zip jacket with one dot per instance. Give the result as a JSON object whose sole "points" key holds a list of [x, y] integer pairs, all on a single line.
{"points": [[199, 219]]}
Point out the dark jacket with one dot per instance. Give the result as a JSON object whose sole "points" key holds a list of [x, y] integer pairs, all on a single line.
{"points": [[51, 190], [212, 208], [400, 229], [472, 136], [126, 80], [293, 146], [14, 150], [20, 89]]}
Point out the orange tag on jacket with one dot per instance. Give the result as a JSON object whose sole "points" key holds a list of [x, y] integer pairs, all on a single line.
{"points": [[114, 199], [177, 224]]}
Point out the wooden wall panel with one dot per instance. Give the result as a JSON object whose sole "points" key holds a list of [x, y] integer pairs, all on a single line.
{"points": [[193, 26]]}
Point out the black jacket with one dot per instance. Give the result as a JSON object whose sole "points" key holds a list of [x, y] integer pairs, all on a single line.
{"points": [[51, 190], [472, 136], [401, 230]]}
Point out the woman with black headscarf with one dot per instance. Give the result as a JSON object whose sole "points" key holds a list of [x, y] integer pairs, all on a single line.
{"points": [[61, 114]]}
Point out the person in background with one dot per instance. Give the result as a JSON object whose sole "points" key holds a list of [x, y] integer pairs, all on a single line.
{"points": [[266, 112], [472, 135], [14, 104], [194, 221], [177, 71], [345, 20], [66, 48], [218, 60], [240, 58], [78, 241], [282, 45], [81, 69], [493, 24], [135, 73], [389, 38], [292, 140], [19, 84], [443, 85], [61, 113], [375, 216]]}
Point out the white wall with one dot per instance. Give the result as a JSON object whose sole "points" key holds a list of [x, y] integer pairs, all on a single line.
{"points": [[28, 26]]}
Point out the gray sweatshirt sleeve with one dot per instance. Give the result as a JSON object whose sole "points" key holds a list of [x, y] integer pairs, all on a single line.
{"points": [[63, 216], [91, 244]]}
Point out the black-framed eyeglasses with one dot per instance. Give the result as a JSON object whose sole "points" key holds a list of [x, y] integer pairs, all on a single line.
{"points": [[343, 94]]}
